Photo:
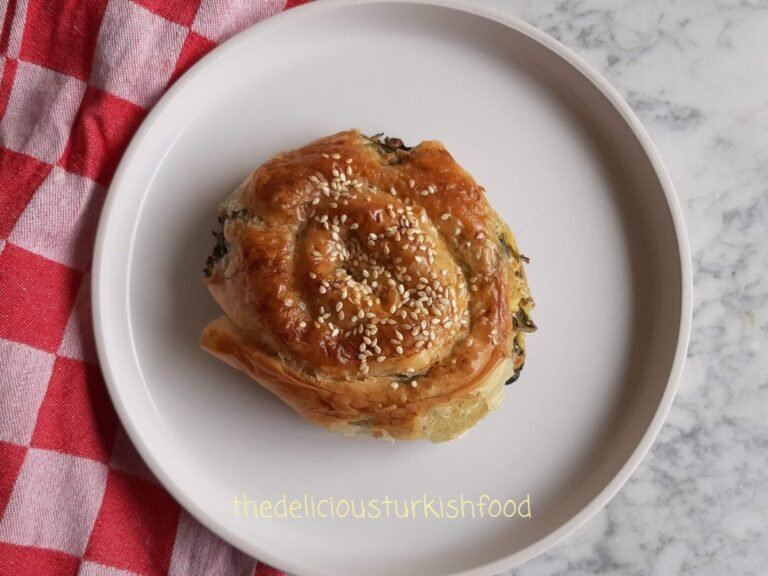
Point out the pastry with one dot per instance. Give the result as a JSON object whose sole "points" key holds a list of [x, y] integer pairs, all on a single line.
{"points": [[371, 287]]}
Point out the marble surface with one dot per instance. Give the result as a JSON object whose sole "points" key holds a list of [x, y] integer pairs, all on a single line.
{"points": [[696, 73]]}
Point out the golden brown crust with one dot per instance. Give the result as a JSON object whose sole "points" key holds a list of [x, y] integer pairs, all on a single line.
{"points": [[371, 288]]}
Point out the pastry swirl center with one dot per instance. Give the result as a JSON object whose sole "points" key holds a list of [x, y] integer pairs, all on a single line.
{"points": [[379, 280]]}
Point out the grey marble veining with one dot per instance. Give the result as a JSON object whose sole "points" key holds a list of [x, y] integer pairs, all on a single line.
{"points": [[696, 73]]}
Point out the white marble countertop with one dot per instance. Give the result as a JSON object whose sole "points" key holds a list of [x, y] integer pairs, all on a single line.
{"points": [[696, 73]]}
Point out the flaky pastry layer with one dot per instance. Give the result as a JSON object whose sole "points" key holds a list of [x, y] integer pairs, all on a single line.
{"points": [[371, 287]]}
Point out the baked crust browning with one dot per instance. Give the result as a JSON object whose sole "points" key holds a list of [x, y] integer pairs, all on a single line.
{"points": [[371, 287]]}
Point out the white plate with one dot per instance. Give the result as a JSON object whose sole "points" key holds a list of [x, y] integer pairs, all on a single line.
{"points": [[564, 161]]}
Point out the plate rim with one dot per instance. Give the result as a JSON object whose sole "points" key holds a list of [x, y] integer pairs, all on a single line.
{"points": [[616, 100]]}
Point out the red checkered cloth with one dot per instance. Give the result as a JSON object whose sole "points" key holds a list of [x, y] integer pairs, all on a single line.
{"points": [[76, 79]]}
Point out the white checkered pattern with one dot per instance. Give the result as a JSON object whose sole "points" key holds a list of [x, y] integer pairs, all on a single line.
{"points": [[40, 93], [60, 221], [136, 53]]}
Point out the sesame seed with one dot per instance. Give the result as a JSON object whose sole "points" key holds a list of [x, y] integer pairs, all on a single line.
{"points": [[322, 289], [399, 350], [411, 183], [414, 383], [336, 156], [302, 324], [445, 216], [380, 359]]}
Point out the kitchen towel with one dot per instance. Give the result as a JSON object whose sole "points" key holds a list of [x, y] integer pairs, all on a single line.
{"points": [[76, 79]]}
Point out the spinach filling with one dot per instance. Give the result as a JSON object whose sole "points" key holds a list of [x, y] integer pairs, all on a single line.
{"points": [[221, 248], [519, 352], [392, 149]]}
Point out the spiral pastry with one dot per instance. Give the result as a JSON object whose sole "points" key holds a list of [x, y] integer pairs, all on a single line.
{"points": [[371, 287]]}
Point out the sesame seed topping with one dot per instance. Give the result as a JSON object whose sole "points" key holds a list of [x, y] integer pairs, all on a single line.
{"points": [[445, 216]]}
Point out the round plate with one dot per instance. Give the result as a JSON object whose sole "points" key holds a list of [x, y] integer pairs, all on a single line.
{"points": [[566, 164]]}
